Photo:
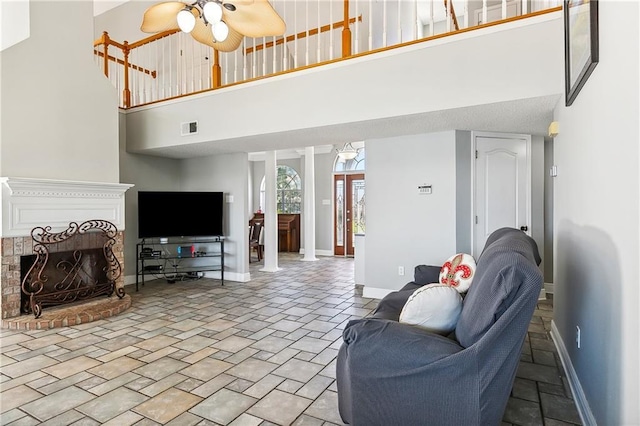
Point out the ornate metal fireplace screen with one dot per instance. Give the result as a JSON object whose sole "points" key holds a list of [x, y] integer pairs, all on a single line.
{"points": [[74, 275]]}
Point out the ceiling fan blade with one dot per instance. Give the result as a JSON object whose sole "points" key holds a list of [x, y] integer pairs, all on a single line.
{"points": [[162, 17], [255, 18], [202, 33]]}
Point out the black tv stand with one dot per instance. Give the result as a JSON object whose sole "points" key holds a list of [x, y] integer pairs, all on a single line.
{"points": [[179, 258]]}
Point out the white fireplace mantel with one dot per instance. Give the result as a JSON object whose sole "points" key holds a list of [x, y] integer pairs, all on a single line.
{"points": [[29, 202]]}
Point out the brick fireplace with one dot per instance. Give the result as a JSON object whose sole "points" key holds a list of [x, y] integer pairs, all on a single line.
{"points": [[29, 203]]}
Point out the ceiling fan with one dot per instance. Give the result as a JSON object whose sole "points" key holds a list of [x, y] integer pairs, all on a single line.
{"points": [[216, 23]]}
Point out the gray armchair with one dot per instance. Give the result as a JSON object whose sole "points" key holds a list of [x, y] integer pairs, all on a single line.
{"points": [[390, 373]]}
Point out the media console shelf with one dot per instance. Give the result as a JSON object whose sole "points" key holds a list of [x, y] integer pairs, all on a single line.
{"points": [[176, 259]]}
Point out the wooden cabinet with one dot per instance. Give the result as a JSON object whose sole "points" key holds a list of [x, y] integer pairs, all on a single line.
{"points": [[288, 230]]}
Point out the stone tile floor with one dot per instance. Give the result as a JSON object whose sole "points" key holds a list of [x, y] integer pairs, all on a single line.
{"points": [[245, 354]]}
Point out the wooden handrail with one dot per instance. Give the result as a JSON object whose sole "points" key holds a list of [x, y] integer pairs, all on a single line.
{"points": [[301, 35], [133, 67]]}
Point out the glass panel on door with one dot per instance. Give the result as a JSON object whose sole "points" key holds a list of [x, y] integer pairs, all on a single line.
{"points": [[349, 212]]}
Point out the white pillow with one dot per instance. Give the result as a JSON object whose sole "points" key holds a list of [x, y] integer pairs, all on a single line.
{"points": [[434, 307], [458, 272]]}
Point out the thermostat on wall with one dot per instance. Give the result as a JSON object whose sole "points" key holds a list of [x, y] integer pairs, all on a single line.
{"points": [[424, 189]]}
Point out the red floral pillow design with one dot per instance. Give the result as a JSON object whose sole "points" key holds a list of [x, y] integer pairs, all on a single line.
{"points": [[458, 271]]}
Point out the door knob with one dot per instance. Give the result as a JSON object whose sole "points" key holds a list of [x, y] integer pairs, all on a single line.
{"points": [[524, 228]]}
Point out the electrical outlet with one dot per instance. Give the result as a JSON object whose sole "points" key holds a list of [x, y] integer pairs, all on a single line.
{"points": [[578, 336], [400, 270]]}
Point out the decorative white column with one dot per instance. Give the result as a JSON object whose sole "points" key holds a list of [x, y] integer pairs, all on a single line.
{"points": [[309, 205], [270, 214]]}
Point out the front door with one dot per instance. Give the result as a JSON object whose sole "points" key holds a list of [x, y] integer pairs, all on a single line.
{"points": [[349, 213], [501, 187]]}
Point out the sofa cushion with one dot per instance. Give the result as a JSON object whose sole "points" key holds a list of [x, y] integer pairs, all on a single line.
{"points": [[426, 274], [434, 307], [509, 260], [458, 272]]}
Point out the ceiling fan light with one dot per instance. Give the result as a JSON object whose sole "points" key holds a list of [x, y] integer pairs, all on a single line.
{"points": [[220, 31], [212, 11], [186, 20]]}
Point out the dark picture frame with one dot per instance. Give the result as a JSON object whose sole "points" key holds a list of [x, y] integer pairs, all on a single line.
{"points": [[580, 44]]}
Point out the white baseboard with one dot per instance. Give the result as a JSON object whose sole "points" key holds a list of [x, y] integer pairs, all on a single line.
{"points": [[320, 252], [543, 295], [576, 388], [374, 292], [548, 287]]}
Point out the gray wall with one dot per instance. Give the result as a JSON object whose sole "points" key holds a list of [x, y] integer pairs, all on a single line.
{"points": [[596, 222], [548, 211], [324, 191], [147, 174], [463, 191], [323, 180], [59, 114], [403, 227], [537, 195], [226, 173]]}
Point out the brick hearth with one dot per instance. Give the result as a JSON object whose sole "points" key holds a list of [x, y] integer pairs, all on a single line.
{"points": [[15, 247], [68, 315]]}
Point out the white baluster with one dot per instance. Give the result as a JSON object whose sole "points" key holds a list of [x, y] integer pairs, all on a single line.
{"points": [[525, 5], [384, 23], [484, 11], [466, 13], [504, 9], [244, 59], [448, 14], [399, 22], [357, 28], [331, 40], [295, 32], [370, 25], [253, 60], [284, 39], [431, 20], [319, 38]]}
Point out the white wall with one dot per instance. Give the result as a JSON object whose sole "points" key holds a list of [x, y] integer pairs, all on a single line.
{"points": [[122, 22], [597, 223], [403, 227], [226, 173], [59, 114], [14, 22]]}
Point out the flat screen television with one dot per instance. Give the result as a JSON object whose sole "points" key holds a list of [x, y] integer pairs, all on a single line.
{"points": [[179, 214]]}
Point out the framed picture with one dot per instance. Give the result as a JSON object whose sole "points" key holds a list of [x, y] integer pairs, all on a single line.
{"points": [[580, 44]]}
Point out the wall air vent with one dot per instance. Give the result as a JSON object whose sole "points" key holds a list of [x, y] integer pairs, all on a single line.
{"points": [[190, 128]]}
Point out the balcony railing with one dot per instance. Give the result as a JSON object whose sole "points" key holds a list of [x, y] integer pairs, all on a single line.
{"points": [[171, 64]]}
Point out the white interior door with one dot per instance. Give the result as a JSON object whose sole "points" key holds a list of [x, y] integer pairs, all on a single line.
{"points": [[502, 187]]}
